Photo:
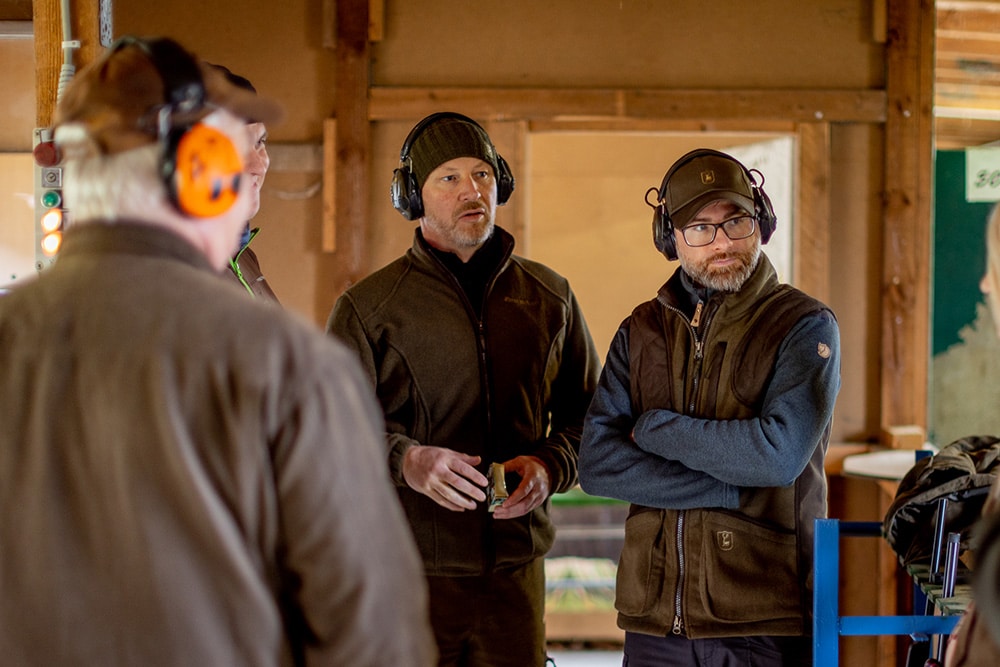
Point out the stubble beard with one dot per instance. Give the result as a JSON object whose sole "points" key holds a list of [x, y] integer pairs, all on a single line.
{"points": [[468, 235], [726, 279]]}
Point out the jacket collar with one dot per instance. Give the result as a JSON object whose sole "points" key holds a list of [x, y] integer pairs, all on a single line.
{"points": [[424, 255], [130, 238]]}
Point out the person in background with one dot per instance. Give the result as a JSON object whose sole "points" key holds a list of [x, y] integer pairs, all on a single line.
{"points": [[244, 265], [976, 640], [712, 417], [175, 492], [480, 358]]}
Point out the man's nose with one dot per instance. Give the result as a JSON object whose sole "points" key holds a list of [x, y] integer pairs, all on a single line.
{"points": [[721, 238], [471, 189]]}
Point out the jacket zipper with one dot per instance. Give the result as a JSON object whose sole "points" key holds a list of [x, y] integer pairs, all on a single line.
{"points": [[694, 324], [479, 322], [678, 627]]}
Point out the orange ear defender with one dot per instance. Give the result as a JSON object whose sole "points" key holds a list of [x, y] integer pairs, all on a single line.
{"points": [[202, 170], [199, 164]]}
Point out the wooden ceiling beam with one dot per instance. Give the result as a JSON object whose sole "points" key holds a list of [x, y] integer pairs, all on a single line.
{"points": [[404, 103], [982, 17]]}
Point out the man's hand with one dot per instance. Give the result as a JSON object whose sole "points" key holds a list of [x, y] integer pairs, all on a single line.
{"points": [[447, 477], [530, 493]]}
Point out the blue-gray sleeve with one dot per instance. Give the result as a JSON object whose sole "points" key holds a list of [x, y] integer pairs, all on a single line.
{"points": [[613, 466], [773, 448]]}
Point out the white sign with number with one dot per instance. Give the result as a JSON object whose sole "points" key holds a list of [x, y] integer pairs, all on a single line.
{"points": [[982, 174]]}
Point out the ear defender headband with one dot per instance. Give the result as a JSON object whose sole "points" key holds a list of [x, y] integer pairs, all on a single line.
{"points": [[405, 187], [199, 165], [663, 226]]}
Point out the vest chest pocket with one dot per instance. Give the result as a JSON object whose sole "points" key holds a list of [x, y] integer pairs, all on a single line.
{"points": [[748, 571]]}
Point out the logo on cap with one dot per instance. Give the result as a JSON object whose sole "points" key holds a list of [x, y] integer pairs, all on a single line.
{"points": [[708, 177]]}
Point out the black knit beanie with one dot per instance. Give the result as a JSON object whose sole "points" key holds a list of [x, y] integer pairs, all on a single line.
{"points": [[448, 139]]}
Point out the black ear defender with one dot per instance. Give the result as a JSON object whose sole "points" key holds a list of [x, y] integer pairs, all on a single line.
{"points": [[199, 165], [404, 190], [663, 227]]}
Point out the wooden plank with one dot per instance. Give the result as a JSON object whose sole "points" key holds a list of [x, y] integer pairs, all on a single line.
{"points": [[510, 139], [376, 20], [352, 141], [329, 229], [907, 212], [328, 18], [15, 10], [863, 106], [969, 46], [402, 103], [958, 133], [964, 16], [47, 20], [657, 125], [980, 94], [811, 240]]}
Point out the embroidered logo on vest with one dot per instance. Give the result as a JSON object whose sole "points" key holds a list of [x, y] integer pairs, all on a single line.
{"points": [[824, 350], [724, 540]]}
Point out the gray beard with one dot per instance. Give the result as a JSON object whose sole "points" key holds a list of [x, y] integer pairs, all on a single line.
{"points": [[729, 281]]}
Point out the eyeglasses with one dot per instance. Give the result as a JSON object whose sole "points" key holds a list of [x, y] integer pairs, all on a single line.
{"points": [[703, 233]]}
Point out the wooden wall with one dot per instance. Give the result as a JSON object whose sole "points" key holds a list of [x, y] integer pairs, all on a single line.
{"points": [[848, 79], [814, 70]]}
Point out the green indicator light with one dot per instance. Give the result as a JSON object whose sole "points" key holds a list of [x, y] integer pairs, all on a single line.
{"points": [[51, 198]]}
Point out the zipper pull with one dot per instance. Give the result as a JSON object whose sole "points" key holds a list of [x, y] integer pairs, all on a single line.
{"points": [[678, 626], [696, 318]]}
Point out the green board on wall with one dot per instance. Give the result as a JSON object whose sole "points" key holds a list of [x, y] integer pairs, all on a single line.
{"points": [[959, 251]]}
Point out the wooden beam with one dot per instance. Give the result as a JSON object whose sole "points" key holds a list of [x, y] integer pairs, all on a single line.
{"points": [[510, 139], [352, 145], [656, 125], [49, 57], [811, 240], [376, 22], [329, 231], [861, 106], [907, 213], [15, 10]]}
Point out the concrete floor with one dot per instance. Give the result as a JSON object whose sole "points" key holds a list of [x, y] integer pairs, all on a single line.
{"points": [[577, 658]]}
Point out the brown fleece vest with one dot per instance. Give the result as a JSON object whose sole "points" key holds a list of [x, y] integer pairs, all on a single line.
{"points": [[722, 573]]}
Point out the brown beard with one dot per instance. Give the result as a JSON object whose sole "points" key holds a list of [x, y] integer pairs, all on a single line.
{"points": [[729, 279]]}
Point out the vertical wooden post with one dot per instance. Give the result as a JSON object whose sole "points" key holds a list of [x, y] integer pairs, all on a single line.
{"points": [[329, 231], [352, 144], [510, 138], [47, 24], [907, 212], [906, 228], [811, 248]]}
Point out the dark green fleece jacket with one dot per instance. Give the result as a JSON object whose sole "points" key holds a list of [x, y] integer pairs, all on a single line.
{"points": [[515, 380]]}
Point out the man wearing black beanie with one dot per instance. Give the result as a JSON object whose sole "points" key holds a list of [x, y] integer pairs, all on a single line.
{"points": [[482, 361]]}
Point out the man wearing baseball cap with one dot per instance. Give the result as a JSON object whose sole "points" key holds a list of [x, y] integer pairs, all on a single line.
{"points": [[244, 267], [712, 417], [175, 492], [481, 359]]}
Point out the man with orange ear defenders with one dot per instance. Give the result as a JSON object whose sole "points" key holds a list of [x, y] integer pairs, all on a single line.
{"points": [[244, 266], [712, 417], [479, 357], [173, 490]]}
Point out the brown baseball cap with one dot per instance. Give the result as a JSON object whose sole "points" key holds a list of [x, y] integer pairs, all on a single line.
{"points": [[702, 177], [126, 96]]}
